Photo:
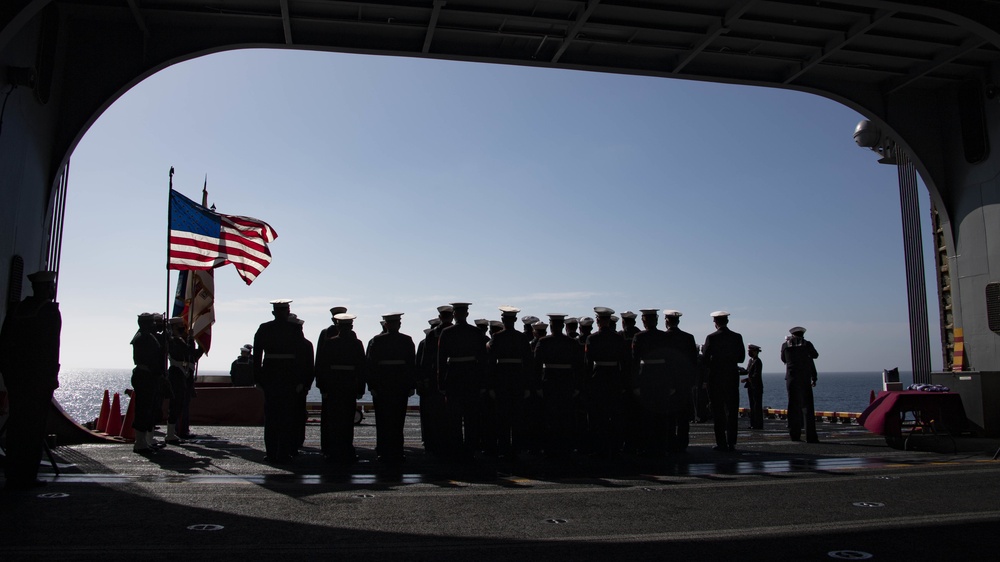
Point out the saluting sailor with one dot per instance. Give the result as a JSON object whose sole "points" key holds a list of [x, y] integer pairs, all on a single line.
{"points": [[723, 352], [340, 376], [798, 354], [391, 380]]}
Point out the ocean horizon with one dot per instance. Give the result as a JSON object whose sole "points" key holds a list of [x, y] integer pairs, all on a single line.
{"points": [[81, 391]]}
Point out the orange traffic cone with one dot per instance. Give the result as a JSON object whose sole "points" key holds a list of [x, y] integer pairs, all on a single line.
{"points": [[128, 432], [102, 418], [871, 397], [115, 418]]}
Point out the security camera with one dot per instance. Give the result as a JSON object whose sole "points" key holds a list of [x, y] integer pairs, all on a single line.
{"points": [[867, 134]]}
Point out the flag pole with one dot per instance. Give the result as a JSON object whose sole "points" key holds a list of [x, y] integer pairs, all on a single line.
{"points": [[169, 217]]}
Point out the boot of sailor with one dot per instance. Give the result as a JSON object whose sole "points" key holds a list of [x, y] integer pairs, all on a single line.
{"points": [[172, 434], [140, 445], [151, 442]]}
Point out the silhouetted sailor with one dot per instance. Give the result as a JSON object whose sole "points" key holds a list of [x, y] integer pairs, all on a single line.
{"points": [[461, 359], [277, 346], [754, 384], [391, 380], [510, 380], [798, 354], [182, 355], [483, 325], [606, 355], [241, 370], [559, 359], [304, 370], [586, 328], [495, 326], [433, 415], [528, 322], [29, 361], [682, 373], [723, 352], [330, 332], [572, 324], [632, 411], [650, 384], [340, 377], [148, 379]]}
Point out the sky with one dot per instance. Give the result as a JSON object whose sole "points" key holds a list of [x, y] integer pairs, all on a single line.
{"points": [[399, 184]]}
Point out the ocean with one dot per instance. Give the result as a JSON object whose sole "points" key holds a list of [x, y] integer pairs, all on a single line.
{"points": [[81, 390]]}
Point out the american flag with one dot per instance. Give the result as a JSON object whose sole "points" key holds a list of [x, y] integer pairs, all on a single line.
{"points": [[203, 239]]}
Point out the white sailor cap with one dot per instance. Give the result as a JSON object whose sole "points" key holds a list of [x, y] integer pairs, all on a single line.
{"points": [[572, 320], [540, 326], [674, 313], [628, 314], [586, 321], [434, 321], [556, 317], [392, 317], [481, 322], [529, 319], [464, 305], [446, 308], [614, 319], [344, 318], [280, 304], [648, 311], [509, 310], [797, 330], [246, 347], [719, 314], [496, 324], [754, 347], [603, 311]]}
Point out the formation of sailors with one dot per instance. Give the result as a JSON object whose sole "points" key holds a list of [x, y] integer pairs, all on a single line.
{"points": [[487, 388]]}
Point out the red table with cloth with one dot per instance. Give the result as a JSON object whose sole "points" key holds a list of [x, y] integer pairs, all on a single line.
{"points": [[931, 411]]}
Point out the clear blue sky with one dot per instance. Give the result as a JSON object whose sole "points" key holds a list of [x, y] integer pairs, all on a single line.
{"points": [[401, 184]]}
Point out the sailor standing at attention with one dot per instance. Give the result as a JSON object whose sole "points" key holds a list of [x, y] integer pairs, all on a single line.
{"points": [[461, 358], [508, 376], [29, 361], [754, 383], [724, 352], [650, 384], [606, 356], [326, 417], [798, 353], [391, 380], [275, 364], [560, 361], [340, 377], [682, 370], [182, 355], [433, 415]]}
